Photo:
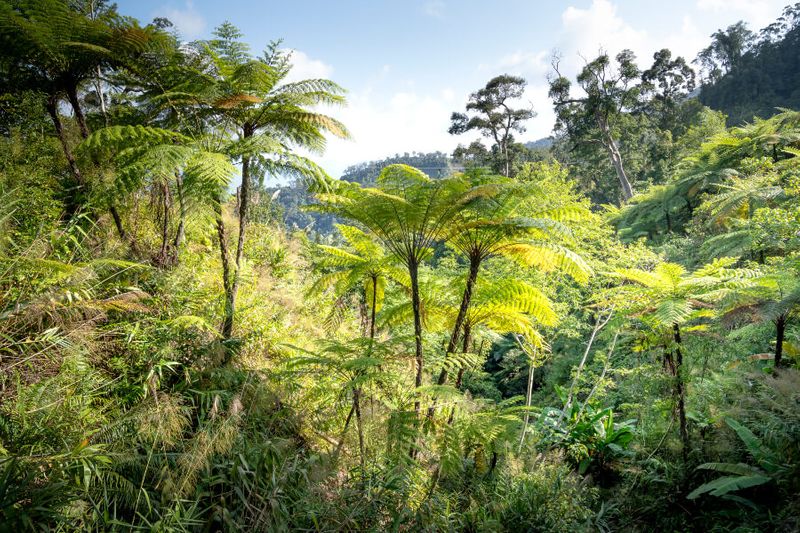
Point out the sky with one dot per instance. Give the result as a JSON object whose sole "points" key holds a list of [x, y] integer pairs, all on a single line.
{"points": [[408, 64]]}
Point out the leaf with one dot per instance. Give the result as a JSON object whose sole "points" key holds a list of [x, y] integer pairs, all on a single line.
{"points": [[724, 485]]}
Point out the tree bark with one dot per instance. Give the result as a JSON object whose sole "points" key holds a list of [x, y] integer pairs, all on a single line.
{"points": [[80, 118], [780, 331], [74, 197], [227, 320], [244, 203], [680, 391], [374, 302], [413, 271], [466, 298], [166, 203], [181, 231], [616, 159], [359, 426]]}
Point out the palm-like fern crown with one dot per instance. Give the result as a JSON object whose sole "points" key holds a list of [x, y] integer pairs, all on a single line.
{"points": [[716, 170], [774, 292], [407, 211], [509, 223], [48, 46], [501, 306], [669, 296], [365, 264]]}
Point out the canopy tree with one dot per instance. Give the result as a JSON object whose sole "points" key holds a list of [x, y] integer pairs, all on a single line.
{"points": [[490, 112]]}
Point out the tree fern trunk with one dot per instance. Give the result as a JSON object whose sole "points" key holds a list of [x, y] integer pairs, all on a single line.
{"points": [[227, 320], [73, 202], [680, 391], [780, 331], [80, 118], [413, 272], [374, 303], [359, 427], [244, 203], [181, 231], [472, 277]]}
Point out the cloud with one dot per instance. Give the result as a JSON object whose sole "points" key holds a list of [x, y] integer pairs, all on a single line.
{"points": [[304, 67], [434, 8], [187, 20], [757, 13], [586, 31], [382, 125]]}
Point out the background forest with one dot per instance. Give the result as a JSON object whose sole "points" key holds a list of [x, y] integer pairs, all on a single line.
{"points": [[594, 332]]}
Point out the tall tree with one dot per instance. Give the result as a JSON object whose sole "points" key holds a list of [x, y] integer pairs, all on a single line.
{"points": [[608, 91], [490, 112], [506, 225], [725, 51], [408, 213], [271, 118], [668, 297]]}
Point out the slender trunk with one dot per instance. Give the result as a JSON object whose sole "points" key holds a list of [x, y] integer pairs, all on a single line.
{"points": [[75, 193], [166, 203], [344, 431], [474, 267], [359, 426], [598, 325], [680, 391], [616, 159], [98, 87], [227, 321], [413, 271], [780, 330], [118, 223], [374, 303], [80, 118], [508, 163], [244, 202], [181, 232], [460, 375], [472, 277]]}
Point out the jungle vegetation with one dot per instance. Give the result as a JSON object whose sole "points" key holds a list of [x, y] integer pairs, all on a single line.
{"points": [[601, 333]]}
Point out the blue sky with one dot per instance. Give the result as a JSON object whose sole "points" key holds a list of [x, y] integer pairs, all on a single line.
{"points": [[408, 64]]}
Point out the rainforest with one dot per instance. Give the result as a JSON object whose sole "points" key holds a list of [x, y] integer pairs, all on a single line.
{"points": [[205, 328]]}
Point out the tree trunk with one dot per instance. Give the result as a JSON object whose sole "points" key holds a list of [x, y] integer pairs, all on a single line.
{"points": [[680, 391], [460, 376], [166, 203], [73, 202], [244, 203], [344, 431], [374, 303], [780, 330], [227, 320], [359, 426], [616, 159], [413, 271], [181, 232], [474, 267], [72, 95], [80, 118]]}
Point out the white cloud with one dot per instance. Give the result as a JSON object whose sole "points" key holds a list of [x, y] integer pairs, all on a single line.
{"points": [[187, 20], [586, 31], [404, 121], [434, 8], [757, 13], [304, 67]]}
